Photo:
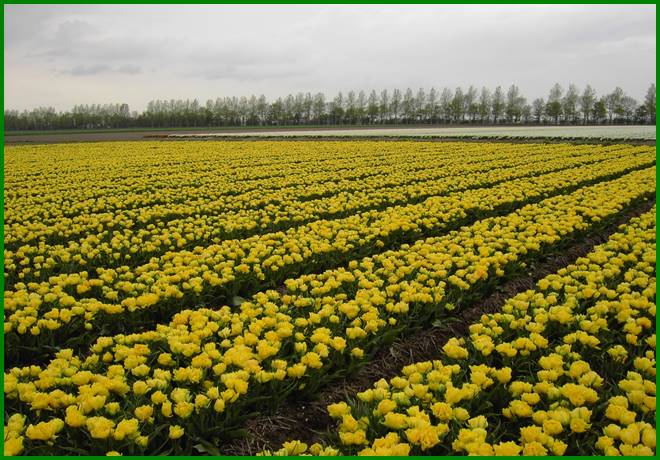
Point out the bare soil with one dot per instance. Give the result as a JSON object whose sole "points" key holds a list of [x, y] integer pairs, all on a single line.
{"points": [[162, 134]]}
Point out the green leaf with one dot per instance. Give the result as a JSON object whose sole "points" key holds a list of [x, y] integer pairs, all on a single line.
{"points": [[207, 448], [237, 301], [200, 448]]}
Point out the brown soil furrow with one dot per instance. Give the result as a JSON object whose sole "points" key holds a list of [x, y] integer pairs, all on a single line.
{"points": [[478, 139]]}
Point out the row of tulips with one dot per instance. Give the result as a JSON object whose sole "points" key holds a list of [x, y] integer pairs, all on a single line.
{"points": [[566, 368], [188, 383], [73, 309], [206, 193], [165, 227], [171, 174]]}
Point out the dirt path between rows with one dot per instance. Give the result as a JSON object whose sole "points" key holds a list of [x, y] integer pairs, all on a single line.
{"points": [[480, 139], [234, 134]]}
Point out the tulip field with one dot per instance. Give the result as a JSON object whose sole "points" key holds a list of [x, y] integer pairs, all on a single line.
{"points": [[159, 296]]}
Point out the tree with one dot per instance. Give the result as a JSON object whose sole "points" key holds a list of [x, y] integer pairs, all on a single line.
{"points": [[641, 114], [361, 106], [419, 109], [613, 103], [242, 107], [305, 108], [468, 100], [337, 109], [290, 110], [484, 104], [277, 112], [457, 112], [526, 113], [554, 108], [318, 107], [252, 119], [350, 108], [372, 107], [470, 105], [395, 104], [628, 108], [408, 106], [587, 101], [649, 103], [538, 107], [497, 104], [445, 104], [569, 103], [432, 106], [307, 104], [384, 106], [262, 109], [600, 110], [514, 104]]}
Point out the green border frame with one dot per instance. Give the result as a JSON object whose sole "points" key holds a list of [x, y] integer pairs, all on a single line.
{"points": [[2, 176]]}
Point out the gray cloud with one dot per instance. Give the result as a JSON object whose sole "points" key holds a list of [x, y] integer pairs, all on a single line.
{"points": [[247, 73], [71, 31], [130, 69], [81, 70], [98, 69], [206, 51]]}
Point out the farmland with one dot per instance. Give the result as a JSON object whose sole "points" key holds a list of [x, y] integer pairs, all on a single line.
{"points": [[601, 133], [604, 132], [168, 297]]}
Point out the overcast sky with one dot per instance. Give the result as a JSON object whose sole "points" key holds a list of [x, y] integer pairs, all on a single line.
{"points": [[71, 54]]}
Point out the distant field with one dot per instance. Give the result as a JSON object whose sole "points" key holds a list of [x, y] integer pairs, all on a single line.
{"points": [[134, 134], [621, 133], [592, 132], [189, 129]]}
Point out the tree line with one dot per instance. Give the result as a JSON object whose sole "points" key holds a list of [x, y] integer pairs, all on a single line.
{"points": [[446, 106]]}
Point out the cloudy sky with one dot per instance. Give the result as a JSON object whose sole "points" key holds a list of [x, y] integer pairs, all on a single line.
{"points": [[71, 54]]}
